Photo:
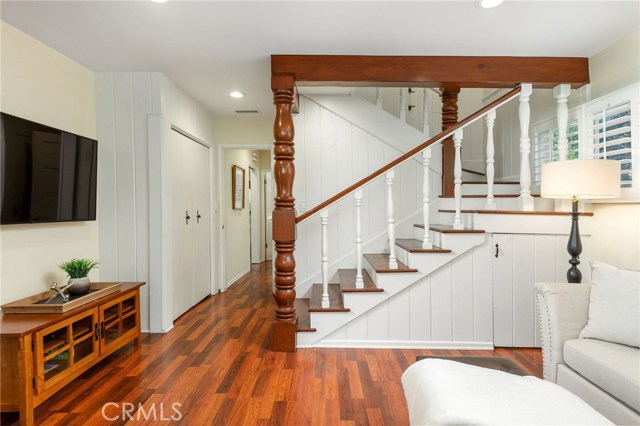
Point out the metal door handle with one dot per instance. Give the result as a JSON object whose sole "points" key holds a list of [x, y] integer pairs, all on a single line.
{"points": [[198, 216], [97, 332], [102, 331], [497, 249], [187, 217]]}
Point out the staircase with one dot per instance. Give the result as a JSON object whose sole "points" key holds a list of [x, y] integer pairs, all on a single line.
{"points": [[432, 271]]}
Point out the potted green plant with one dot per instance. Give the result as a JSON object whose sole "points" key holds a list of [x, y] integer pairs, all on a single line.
{"points": [[78, 269]]}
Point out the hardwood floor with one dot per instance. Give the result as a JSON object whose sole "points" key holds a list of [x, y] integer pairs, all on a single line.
{"points": [[217, 364]]}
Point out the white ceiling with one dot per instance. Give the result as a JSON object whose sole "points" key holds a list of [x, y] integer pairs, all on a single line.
{"points": [[210, 48]]}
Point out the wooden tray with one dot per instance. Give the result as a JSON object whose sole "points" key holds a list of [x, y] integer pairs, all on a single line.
{"points": [[30, 305]]}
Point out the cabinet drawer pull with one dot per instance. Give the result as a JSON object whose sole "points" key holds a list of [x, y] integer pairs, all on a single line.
{"points": [[497, 249]]}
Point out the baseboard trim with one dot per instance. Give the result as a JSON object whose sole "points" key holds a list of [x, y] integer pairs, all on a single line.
{"points": [[237, 277], [402, 344]]}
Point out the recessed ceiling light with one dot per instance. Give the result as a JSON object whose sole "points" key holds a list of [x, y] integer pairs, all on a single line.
{"points": [[488, 4], [236, 94], [159, 1]]}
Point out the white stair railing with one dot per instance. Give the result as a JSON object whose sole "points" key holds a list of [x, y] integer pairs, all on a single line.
{"points": [[403, 105], [391, 227], [425, 113], [490, 171], [426, 197], [379, 97], [524, 113], [561, 92], [324, 221], [359, 277], [457, 179]]}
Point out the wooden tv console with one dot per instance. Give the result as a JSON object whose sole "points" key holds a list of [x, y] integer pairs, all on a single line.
{"points": [[41, 353]]}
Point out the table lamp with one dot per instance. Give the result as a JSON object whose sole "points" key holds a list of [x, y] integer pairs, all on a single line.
{"points": [[579, 180]]}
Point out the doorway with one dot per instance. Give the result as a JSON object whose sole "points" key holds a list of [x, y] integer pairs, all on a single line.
{"points": [[254, 215]]}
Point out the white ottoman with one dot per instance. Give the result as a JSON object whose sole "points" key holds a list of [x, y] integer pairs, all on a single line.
{"points": [[444, 392]]}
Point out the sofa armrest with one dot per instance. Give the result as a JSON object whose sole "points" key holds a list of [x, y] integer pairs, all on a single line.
{"points": [[563, 310]]}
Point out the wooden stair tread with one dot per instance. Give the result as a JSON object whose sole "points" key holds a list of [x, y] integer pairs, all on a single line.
{"points": [[415, 246], [448, 229], [380, 263], [540, 213], [348, 282], [304, 319], [485, 196], [336, 304]]}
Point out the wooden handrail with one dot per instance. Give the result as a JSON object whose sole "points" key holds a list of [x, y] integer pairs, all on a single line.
{"points": [[437, 138]]}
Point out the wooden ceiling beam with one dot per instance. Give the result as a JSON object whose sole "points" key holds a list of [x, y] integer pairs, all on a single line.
{"points": [[432, 71]]}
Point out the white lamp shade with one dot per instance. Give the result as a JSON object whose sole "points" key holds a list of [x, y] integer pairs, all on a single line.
{"points": [[583, 179]]}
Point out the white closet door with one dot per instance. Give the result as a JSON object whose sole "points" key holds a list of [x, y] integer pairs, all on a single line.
{"points": [[254, 215], [180, 239], [201, 226]]}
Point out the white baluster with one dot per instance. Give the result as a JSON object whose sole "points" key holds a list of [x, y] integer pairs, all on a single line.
{"points": [[359, 278], [426, 197], [324, 220], [490, 119], [524, 113], [379, 97], [403, 105], [457, 179], [425, 112], [391, 227], [561, 92]]}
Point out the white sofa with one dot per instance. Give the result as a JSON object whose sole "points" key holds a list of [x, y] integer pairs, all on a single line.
{"points": [[606, 375]]}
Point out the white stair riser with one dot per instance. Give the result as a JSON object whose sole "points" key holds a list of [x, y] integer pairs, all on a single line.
{"points": [[425, 262], [482, 189], [529, 224], [446, 218]]}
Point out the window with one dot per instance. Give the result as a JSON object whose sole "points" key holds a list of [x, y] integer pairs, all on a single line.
{"points": [[545, 147], [611, 138], [605, 128]]}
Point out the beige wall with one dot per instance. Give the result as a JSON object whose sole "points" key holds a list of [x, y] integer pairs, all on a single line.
{"points": [[616, 234], [243, 130], [42, 85], [615, 67]]}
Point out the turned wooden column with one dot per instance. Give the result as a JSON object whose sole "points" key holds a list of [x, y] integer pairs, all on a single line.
{"points": [[284, 216], [449, 118]]}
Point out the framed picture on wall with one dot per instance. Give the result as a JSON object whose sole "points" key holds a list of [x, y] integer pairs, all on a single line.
{"points": [[237, 187]]}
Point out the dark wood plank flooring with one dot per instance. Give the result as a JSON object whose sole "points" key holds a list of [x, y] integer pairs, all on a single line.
{"points": [[217, 364]]}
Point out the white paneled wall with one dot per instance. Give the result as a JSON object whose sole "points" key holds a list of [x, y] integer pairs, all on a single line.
{"points": [[475, 302], [469, 101], [331, 154], [450, 308], [135, 110]]}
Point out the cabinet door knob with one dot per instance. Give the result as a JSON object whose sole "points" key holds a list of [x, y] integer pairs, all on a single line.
{"points": [[187, 217], [198, 216], [497, 249]]}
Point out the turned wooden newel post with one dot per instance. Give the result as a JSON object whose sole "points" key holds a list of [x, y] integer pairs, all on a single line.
{"points": [[449, 118], [284, 216]]}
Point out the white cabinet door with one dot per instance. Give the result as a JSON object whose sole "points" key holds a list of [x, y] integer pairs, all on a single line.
{"points": [[189, 239], [523, 260], [180, 238], [502, 290], [201, 179]]}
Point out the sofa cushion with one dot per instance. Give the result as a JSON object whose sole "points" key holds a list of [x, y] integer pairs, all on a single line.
{"points": [[613, 367], [614, 305]]}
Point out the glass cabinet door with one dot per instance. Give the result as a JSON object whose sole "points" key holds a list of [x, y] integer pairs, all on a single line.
{"points": [[119, 321], [64, 347]]}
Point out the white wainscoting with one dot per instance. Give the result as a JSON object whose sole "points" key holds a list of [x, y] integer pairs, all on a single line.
{"points": [[331, 154], [450, 308], [134, 111]]}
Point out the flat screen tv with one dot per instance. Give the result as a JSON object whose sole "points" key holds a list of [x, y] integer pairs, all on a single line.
{"points": [[47, 174]]}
